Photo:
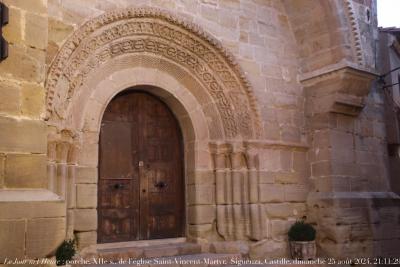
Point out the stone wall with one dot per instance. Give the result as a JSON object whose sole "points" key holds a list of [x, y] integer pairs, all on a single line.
{"points": [[321, 149], [32, 218]]}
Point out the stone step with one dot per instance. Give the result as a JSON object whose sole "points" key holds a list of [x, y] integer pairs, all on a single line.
{"points": [[140, 250], [156, 251]]}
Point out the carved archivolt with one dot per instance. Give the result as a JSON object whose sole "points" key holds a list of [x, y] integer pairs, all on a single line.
{"points": [[152, 31]]}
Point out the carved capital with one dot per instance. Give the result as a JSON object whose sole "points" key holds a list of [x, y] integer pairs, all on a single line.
{"points": [[340, 89]]}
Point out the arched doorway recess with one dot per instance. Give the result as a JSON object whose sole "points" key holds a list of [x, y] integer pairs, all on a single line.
{"points": [[201, 84], [141, 186]]}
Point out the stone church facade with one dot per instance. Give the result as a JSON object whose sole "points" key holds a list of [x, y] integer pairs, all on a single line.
{"points": [[276, 100]]}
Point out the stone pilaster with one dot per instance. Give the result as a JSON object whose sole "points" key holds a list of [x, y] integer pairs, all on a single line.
{"points": [[347, 197]]}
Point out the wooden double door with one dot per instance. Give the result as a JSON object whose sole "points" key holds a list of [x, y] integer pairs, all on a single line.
{"points": [[141, 187]]}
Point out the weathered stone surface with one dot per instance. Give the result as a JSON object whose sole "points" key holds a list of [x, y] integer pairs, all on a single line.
{"points": [[277, 43], [200, 230], [279, 210], [10, 98], [13, 232], [29, 5], [2, 169], [14, 31], [85, 219], [268, 249], [29, 209], [44, 236], [24, 63], [296, 193], [35, 30], [201, 214], [201, 194], [280, 228], [201, 177], [89, 155], [22, 135], [86, 175], [58, 30], [230, 247], [272, 193], [25, 171], [32, 100], [86, 196], [287, 177], [86, 239]]}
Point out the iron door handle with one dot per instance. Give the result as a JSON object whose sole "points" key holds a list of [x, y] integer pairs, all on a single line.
{"points": [[118, 186], [160, 185]]}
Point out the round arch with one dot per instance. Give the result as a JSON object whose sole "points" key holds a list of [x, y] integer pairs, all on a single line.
{"points": [[187, 69], [157, 33]]}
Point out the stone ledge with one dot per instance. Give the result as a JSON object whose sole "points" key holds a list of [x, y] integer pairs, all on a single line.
{"points": [[21, 195], [353, 195], [340, 88], [27, 204]]}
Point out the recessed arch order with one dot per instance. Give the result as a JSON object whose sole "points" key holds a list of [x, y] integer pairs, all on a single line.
{"points": [[152, 38]]}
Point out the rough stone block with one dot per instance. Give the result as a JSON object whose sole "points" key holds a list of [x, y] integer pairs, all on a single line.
{"points": [[202, 230], [269, 249], [266, 177], [9, 100], [201, 177], [36, 30], [321, 168], [13, 32], [85, 219], [28, 208], [201, 194], [58, 30], [281, 210], [230, 247], [25, 171], [39, 6], [300, 163], [2, 169], [22, 136], [24, 63], [287, 177], [86, 196], [14, 232], [279, 229], [201, 214], [296, 193], [272, 193], [32, 100], [86, 239], [86, 175], [89, 155], [286, 160], [43, 236], [270, 160]]}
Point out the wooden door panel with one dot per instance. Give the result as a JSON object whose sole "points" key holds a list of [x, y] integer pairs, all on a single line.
{"points": [[115, 150], [118, 185], [163, 158], [117, 193], [141, 193], [115, 225]]}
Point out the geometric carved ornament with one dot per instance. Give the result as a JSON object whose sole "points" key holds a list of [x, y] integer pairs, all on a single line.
{"points": [[158, 33]]}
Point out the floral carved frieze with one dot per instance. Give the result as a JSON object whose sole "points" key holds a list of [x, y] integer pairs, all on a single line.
{"points": [[160, 34]]}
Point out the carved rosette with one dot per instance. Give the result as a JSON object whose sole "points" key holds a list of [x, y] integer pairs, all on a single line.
{"points": [[154, 32]]}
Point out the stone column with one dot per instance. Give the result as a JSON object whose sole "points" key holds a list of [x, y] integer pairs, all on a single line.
{"points": [[347, 163], [72, 163]]}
